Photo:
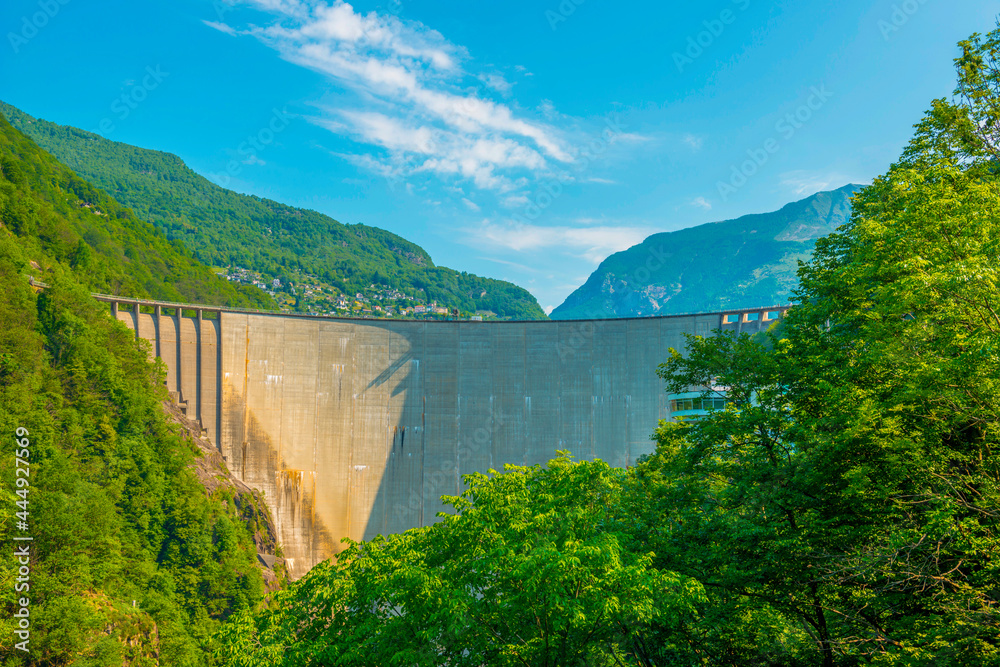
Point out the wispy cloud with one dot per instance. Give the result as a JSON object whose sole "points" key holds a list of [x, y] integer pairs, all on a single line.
{"points": [[802, 182], [592, 243], [497, 82], [701, 202], [516, 265], [693, 142], [221, 27], [415, 100]]}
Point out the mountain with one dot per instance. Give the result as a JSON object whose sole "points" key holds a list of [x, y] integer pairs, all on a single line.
{"points": [[742, 263], [245, 233], [66, 218]]}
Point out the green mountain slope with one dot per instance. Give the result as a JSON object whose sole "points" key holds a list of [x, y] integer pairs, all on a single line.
{"points": [[132, 560], [742, 263], [227, 229], [112, 250]]}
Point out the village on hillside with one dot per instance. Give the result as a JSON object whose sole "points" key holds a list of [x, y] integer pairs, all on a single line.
{"points": [[312, 296]]}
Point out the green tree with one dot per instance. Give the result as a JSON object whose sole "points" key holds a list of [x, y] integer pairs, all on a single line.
{"points": [[850, 489], [532, 568]]}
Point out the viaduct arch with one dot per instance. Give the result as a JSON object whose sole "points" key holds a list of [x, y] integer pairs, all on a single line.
{"points": [[354, 427]]}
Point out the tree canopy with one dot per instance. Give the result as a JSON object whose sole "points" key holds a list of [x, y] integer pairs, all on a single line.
{"points": [[852, 484], [531, 568]]}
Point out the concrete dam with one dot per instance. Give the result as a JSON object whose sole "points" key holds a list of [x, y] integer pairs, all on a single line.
{"points": [[355, 427]]}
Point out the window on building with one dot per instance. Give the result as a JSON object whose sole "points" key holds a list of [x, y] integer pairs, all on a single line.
{"points": [[685, 404]]}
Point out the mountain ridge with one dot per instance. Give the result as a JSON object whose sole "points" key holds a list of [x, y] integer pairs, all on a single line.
{"points": [[322, 257], [747, 261]]}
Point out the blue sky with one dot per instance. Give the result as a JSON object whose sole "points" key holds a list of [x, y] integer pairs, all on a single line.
{"points": [[519, 140]]}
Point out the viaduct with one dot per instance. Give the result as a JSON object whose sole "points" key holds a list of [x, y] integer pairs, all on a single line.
{"points": [[355, 427]]}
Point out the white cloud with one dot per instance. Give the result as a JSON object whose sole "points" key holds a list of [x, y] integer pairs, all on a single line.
{"points": [[415, 103], [515, 201], [802, 182], [389, 132], [603, 181], [693, 142], [548, 110], [221, 27], [497, 82], [634, 137], [520, 267], [701, 202], [253, 159], [472, 206], [590, 243]]}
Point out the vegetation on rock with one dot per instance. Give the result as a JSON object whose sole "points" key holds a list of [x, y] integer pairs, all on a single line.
{"points": [[132, 560]]}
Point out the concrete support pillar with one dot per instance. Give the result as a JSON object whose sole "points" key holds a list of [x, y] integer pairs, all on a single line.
{"points": [[178, 353], [199, 365], [157, 315]]}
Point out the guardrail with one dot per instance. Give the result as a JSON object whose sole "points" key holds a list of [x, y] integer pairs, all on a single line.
{"points": [[111, 298]]}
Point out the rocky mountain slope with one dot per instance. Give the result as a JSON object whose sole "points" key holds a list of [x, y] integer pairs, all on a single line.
{"points": [[746, 262]]}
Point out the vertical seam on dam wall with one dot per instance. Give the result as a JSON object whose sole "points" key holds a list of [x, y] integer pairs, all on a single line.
{"points": [[246, 406], [218, 385], [156, 331], [177, 353], [199, 407]]}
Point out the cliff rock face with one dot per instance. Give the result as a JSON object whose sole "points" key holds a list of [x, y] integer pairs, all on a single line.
{"points": [[250, 506], [742, 263]]}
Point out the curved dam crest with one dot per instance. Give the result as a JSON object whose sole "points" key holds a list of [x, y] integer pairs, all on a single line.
{"points": [[355, 427]]}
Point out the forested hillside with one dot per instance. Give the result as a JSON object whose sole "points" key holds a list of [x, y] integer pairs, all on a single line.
{"points": [[132, 561], [109, 248], [226, 229], [743, 263]]}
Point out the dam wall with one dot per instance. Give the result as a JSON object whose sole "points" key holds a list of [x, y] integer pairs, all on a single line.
{"points": [[355, 427]]}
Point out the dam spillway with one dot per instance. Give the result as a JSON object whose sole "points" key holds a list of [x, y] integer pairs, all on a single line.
{"points": [[355, 427]]}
